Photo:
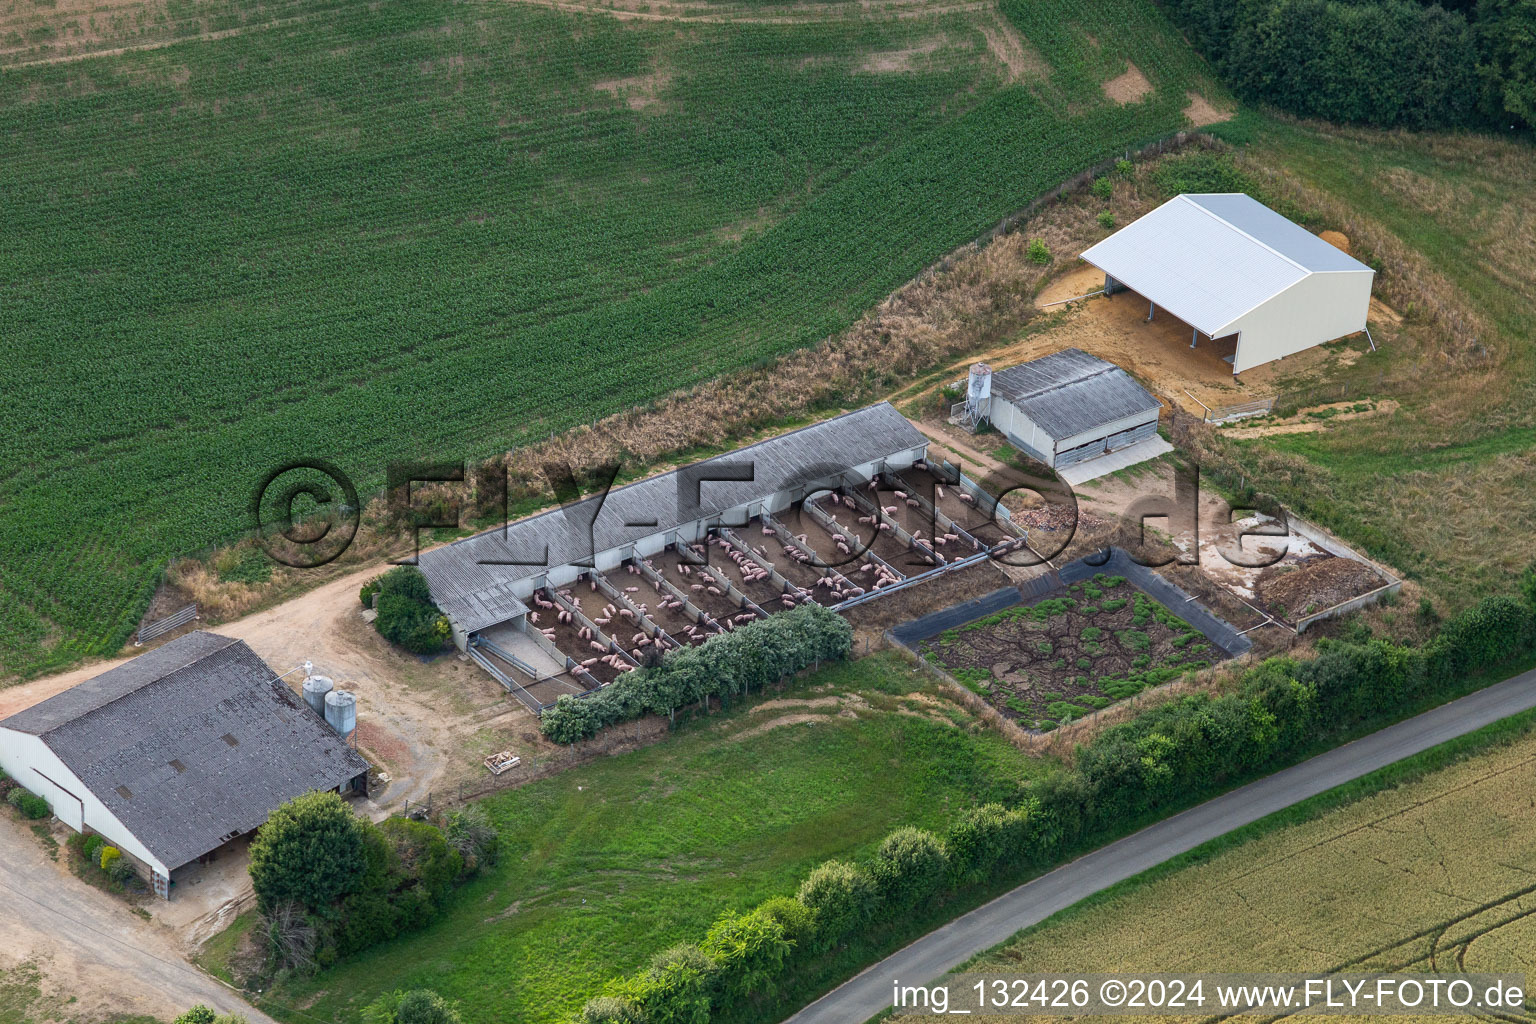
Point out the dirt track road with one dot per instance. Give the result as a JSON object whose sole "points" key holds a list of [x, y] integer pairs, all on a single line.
{"points": [[91, 946], [941, 950]]}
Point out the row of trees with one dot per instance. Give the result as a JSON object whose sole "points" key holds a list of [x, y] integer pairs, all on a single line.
{"points": [[330, 883], [1142, 768], [748, 657], [1397, 63], [744, 956]]}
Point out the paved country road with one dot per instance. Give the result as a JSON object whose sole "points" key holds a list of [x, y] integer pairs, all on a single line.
{"points": [[90, 945], [943, 949]]}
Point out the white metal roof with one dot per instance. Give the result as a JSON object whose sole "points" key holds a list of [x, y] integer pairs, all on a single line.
{"points": [[1208, 259]]}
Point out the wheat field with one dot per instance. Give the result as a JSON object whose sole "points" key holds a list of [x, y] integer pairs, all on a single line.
{"points": [[1438, 874]]}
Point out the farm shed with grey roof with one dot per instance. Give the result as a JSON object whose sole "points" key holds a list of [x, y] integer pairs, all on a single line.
{"points": [[1068, 407], [176, 752], [484, 580]]}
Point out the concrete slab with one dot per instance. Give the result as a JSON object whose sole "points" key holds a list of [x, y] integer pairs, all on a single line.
{"points": [[1141, 451]]}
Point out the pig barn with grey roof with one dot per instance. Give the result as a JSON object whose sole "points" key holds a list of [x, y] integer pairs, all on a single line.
{"points": [[173, 754]]}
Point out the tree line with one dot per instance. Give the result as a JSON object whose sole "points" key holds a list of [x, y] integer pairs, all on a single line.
{"points": [[1393, 63]]}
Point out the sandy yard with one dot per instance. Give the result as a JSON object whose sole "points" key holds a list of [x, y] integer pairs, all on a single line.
{"points": [[1157, 353], [426, 723]]}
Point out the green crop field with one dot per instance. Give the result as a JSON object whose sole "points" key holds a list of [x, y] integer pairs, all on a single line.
{"points": [[368, 233], [608, 863]]}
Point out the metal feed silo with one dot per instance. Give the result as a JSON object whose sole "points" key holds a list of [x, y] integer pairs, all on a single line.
{"points": [[978, 392], [315, 689], [341, 712]]}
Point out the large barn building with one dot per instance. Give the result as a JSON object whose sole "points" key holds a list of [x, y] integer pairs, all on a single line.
{"points": [[1229, 266], [1065, 408], [177, 752], [484, 581]]}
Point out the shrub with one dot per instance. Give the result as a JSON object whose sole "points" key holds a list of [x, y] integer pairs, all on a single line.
{"points": [[92, 849], [470, 833], [109, 856], [748, 951], [840, 897], [1038, 251], [118, 869], [368, 590], [1103, 188], [201, 1014], [798, 923], [28, 805], [417, 1006], [610, 1010], [407, 616], [982, 837], [675, 988], [1124, 168], [309, 852], [909, 867]]}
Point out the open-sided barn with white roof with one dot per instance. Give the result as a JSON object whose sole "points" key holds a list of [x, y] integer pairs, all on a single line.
{"points": [[1228, 265]]}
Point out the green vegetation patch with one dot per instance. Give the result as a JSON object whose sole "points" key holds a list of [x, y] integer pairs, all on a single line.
{"points": [[528, 219]]}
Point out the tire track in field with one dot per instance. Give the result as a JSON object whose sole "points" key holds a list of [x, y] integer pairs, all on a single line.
{"points": [[800, 14], [160, 44]]}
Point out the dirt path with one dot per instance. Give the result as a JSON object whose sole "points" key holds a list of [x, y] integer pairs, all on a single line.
{"points": [[91, 946], [414, 716]]}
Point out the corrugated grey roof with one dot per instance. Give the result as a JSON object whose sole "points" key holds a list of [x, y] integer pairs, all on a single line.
{"points": [[1210, 258], [475, 594], [1071, 392], [179, 703]]}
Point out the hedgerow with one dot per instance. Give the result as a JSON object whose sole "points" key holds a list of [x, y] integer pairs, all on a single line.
{"points": [[1146, 766], [746, 658]]}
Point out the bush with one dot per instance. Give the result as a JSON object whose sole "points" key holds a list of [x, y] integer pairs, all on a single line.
{"points": [[909, 867], [1103, 188], [1106, 219], [28, 805], [675, 988], [368, 590], [840, 897], [109, 855], [798, 923], [417, 1006], [610, 1010], [983, 837], [1124, 168], [92, 848], [1038, 251], [470, 833], [407, 616], [747, 951], [309, 852], [201, 1014]]}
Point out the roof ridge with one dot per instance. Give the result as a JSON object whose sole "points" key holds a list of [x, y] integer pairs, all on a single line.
{"points": [[229, 642], [662, 475], [1218, 217]]}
